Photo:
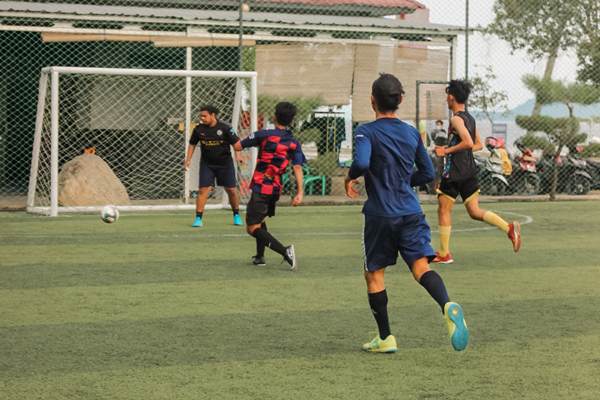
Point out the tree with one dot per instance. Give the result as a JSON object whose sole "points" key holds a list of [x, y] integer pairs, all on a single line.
{"points": [[548, 91], [541, 27], [589, 48], [560, 132], [484, 99]]}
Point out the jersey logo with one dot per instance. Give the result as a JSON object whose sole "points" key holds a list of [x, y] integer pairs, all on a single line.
{"points": [[219, 132], [251, 136], [359, 136]]}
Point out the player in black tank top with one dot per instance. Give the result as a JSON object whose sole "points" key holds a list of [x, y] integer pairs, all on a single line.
{"points": [[460, 176], [460, 165]]}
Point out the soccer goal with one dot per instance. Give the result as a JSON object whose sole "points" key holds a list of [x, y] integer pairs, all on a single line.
{"points": [[138, 122]]}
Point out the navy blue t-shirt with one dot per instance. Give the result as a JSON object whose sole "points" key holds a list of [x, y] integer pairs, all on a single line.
{"points": [[385, 152]]}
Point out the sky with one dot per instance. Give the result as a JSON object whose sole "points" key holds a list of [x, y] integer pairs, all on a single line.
{"points": [[487, 50]]}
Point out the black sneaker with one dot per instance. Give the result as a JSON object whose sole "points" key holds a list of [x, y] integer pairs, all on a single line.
{"points": [[260, 261], [290, 256]]}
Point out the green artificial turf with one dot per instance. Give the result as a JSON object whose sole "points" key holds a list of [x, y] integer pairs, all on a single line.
{"points": [[150, 308]]}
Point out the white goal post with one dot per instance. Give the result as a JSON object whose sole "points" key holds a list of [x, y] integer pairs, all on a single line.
{"points": [[138, 121]]}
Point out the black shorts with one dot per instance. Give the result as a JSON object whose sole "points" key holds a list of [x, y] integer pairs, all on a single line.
{"points": [[225, 175], [260, 207], [466, 188]]}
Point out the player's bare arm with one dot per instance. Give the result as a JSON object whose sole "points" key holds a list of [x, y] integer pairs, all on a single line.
{"points": [[298, 173], [478, 143], [238, 156], [466, 142], [237, 147], [190, 153]]}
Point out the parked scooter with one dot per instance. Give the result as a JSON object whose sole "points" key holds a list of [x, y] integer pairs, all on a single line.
{"points": [[489, 171], [572, 176], [525, 180]]}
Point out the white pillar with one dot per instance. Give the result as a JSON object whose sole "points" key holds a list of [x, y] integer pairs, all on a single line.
{"points": [[54, 146], [188, 120], [37, 138]]}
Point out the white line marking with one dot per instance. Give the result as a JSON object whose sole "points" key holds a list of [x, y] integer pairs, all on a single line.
{"points": [[528, 220]]}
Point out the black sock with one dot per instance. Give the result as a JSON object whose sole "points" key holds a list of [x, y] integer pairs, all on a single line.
{"points": [[269, 240], [378, 302], [434, 285], [235, 212], [199, 214], [260, 245]]}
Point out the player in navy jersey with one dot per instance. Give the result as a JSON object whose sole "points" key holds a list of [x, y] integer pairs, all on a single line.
{"points": [[385, 152], [460, 175], [215, 138], [277, 147]]}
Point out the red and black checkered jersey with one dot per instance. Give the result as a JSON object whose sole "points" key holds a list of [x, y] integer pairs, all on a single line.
{"points": [[276, 148]]}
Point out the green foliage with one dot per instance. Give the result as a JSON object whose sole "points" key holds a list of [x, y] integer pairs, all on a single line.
{"points": [[548, 91], [484, 98], [325, 164], [589, 48], [311, 135], [591, 150], [538, 143], [559, 131], [540, 27], [305, 105]]}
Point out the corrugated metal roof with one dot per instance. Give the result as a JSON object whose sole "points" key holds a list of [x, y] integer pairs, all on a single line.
{"points": [[186, 14], [377, 3]]}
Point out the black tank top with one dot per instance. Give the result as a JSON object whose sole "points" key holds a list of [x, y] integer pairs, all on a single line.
{"points": [[461, 165]]}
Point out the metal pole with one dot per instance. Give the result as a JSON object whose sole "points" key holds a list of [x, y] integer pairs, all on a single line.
{"points": [[240, 47], [467, 42], [188, 120]]}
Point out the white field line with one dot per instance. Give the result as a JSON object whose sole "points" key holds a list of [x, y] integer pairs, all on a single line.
{"points": [[528, 220]]}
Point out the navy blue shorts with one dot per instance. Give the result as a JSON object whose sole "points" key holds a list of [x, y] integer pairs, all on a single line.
{"points": [[384, 237], [225, 175]]}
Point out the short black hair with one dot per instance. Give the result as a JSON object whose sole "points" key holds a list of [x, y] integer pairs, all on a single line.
{"points": [[460, 89], [210, 109], [285, 113], [387, 91], [439, 121]]}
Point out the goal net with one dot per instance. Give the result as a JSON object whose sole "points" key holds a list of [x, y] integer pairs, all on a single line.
{"points": [[138, 122]]}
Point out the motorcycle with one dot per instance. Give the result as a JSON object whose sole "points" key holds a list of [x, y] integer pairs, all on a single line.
{"points": [[525, 180], [572, 176], [489, 171]]}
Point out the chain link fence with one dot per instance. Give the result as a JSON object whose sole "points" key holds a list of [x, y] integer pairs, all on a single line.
{"points": [[534, 65]]}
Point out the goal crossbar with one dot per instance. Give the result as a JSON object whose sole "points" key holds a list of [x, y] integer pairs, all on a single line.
{"points": [[53, 73]]}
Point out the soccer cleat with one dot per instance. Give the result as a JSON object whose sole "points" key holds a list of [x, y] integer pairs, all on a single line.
{"points": [[290, 256], [381, 346], [447, 259], [514, 234], [237, 220], [197, 223], [457, 327], [260, 261]]}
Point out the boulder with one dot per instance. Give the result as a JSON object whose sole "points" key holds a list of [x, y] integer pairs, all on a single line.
{"points": [[87, 180]]}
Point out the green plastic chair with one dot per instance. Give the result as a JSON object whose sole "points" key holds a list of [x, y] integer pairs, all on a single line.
{"points": [[309, 180]]}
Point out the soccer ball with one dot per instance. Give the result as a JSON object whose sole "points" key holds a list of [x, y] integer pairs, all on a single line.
{"points": [[109, 214]]}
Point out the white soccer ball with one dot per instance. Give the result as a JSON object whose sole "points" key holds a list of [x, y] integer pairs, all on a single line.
{"points": [[109, 214]]}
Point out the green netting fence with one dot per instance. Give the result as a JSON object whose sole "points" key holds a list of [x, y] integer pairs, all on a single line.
{"points": [[534, 65]]}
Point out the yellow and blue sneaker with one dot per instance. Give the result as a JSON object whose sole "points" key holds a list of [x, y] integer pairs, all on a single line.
{"points": [[457, 327], [237, 220], [381, 346]]}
